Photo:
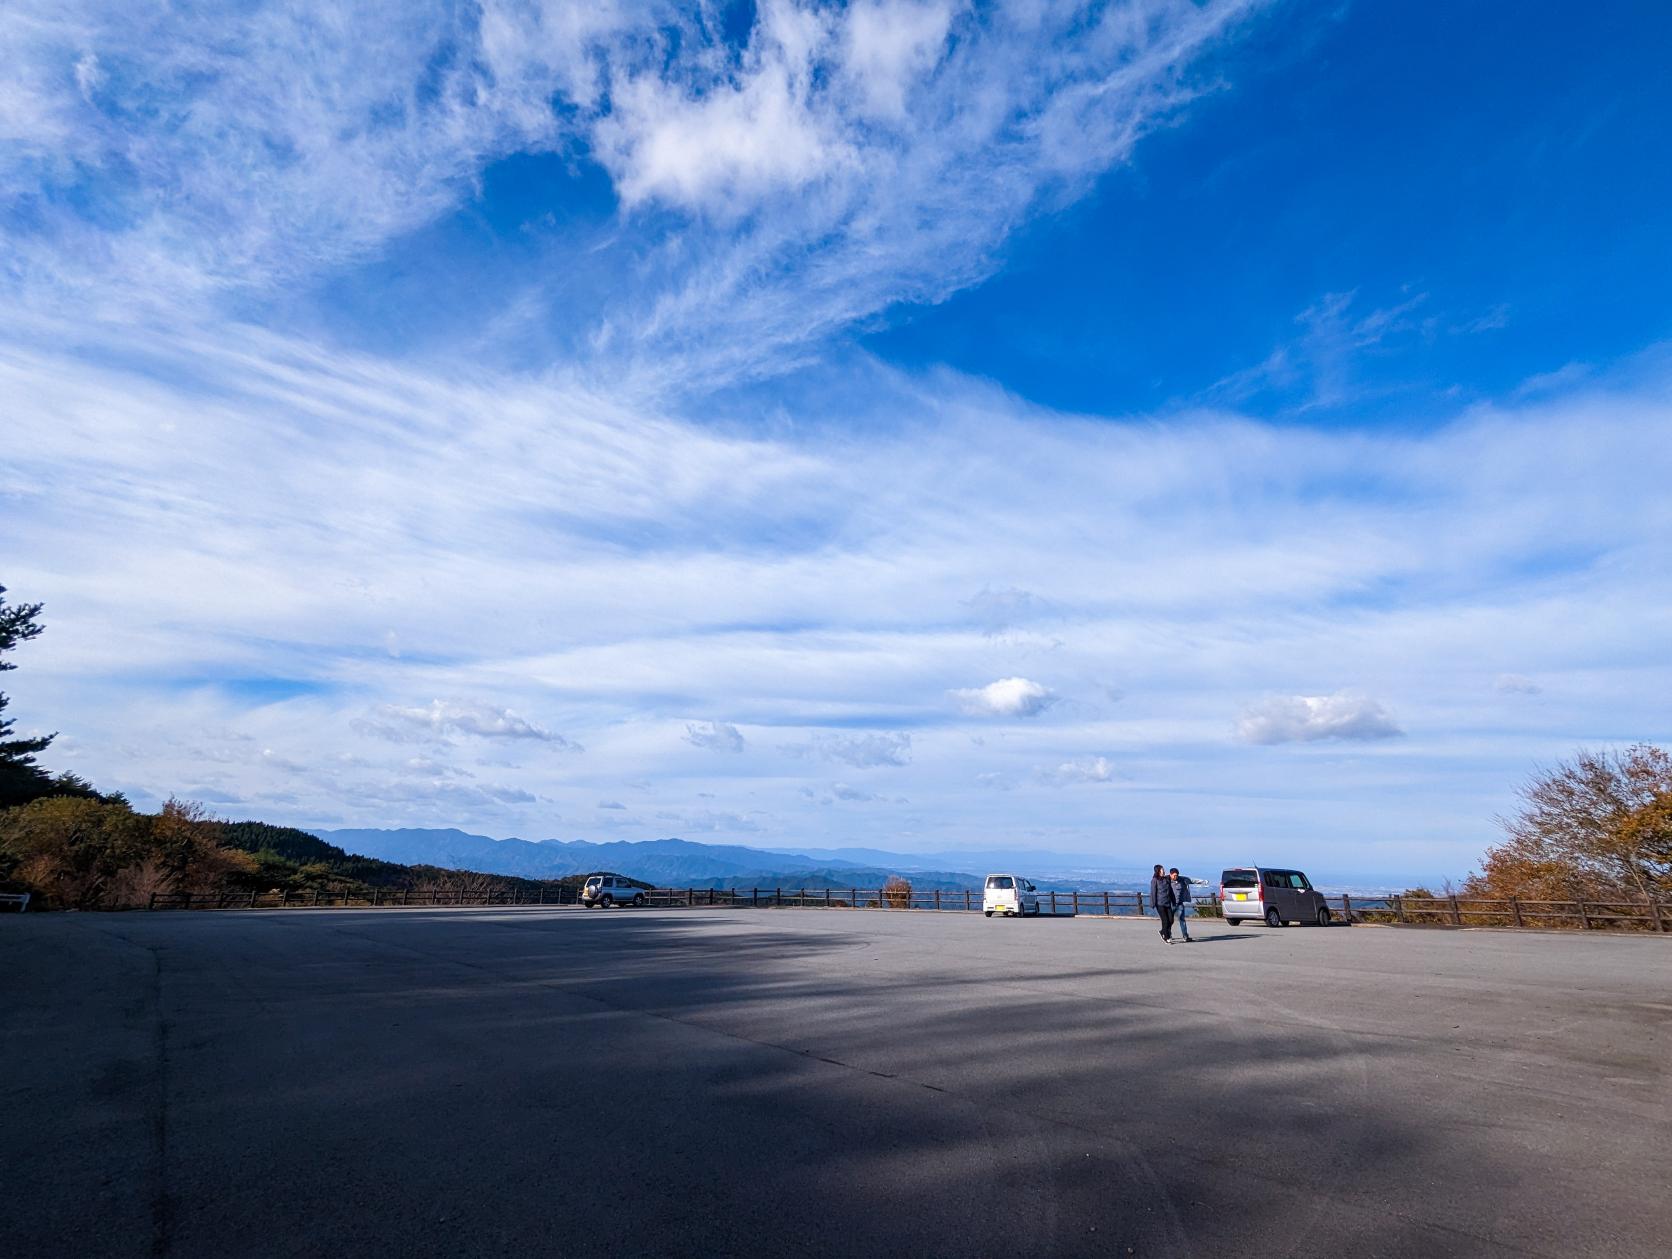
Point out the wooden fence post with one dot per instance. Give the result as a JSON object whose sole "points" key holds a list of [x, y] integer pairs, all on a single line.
{"points": [[1654, 913], [967, 905], [1105, 904], [1583, 916], [316, 896], [151, 903], [937, 898], [1456, 914], [1399, 908], [778, 898], [1053, 904], [1346, 908], [1515, 909], [1076, 895], [1139, 898]]}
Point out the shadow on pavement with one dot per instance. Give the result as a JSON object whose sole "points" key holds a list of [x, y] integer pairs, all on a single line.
{"points": [[692, 1083]]}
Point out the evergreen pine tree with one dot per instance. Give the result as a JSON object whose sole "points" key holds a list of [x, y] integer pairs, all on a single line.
{"points": [[21, 779]]}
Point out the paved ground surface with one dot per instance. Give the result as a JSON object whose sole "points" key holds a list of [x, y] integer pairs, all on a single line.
{"points": [[832, 1083]]}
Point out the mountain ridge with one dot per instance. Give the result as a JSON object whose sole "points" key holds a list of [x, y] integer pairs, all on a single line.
{"points": [[691, 863]]}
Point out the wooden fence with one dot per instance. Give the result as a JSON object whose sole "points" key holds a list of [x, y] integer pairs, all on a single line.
{"points": [[1447, 911]]}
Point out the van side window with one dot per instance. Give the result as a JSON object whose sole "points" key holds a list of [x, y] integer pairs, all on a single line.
{"points": [[1299, 880], [1274, 878]]}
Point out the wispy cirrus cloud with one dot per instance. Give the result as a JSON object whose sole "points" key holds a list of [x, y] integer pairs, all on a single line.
{"points": [[472, 717], [172, 154], [1251, 553]]}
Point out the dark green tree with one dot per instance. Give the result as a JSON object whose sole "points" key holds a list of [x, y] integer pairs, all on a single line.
{"points": [[21, 779]]}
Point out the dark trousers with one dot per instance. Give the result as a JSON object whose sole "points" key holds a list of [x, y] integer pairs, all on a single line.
{"points": [[1166, 912]]}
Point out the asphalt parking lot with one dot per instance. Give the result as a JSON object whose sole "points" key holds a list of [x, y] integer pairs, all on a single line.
{"points": [[716, 1082]]}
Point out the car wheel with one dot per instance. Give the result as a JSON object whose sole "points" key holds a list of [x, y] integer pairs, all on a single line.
{"points": [[1273, 918], [638, 901], [987, 913], [606, 900], [1323, 916], [1233, 922]]}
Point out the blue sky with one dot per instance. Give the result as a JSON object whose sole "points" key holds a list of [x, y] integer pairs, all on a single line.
{"points": [[1157, 430]]}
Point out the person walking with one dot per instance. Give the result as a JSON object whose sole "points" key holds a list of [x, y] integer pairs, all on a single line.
{"points": [[1181, 901], [1161, 901]]}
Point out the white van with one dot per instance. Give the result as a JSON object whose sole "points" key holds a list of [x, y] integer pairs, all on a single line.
{"points": [[1009, 894]]}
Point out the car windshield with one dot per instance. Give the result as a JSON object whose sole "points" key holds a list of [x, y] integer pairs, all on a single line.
{"points": [[1239, 878], [1001, 881]]}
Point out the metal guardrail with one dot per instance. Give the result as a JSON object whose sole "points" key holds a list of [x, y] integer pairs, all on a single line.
{"points": [[20, 899], [1453, 911]]}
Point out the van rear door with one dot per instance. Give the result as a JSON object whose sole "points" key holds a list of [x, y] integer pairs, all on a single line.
{"points": [[1239, 893]]}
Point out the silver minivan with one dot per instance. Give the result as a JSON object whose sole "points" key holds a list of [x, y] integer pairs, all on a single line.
{"points": [[1278, 896], [603, 890]]}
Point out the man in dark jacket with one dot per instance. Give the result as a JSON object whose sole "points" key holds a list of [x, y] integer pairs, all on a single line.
{"points": [[1161, 901], [1181, 902]]}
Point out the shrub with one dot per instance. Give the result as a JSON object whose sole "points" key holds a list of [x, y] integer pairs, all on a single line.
{"points": [[85, 853], [896, 892]]}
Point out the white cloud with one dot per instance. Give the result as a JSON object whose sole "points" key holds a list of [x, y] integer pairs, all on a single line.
{"points": [[1308, 718], [1515, 684], [862, 751], [611, 804], [846, 793], [1008, 697], [737, 139], [1084, 769], [888, 49], [473, 717], [716, 736]]}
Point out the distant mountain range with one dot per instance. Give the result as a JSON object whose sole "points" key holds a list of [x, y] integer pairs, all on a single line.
{"points": [[685, 863]]}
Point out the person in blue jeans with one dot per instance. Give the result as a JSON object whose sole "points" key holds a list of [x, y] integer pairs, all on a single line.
{"points": [[1181, 901]]}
